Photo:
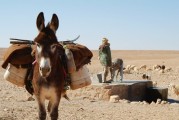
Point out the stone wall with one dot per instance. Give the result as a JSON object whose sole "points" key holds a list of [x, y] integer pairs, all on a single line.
{"points": [[130, 90]]}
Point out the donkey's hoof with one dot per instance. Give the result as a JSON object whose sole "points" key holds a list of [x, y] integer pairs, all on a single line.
{"points": [[30, 99]]}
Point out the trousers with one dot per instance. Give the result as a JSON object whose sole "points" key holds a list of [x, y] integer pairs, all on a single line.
{"points": [[106, 70]]}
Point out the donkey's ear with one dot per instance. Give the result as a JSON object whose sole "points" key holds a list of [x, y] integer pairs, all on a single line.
{"points": [[54, 23], [40, 22]]}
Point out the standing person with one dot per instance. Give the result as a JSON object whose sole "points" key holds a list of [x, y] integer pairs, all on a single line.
{"points": [[105, 58]]}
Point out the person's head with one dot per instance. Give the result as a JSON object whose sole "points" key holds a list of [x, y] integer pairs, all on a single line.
{"points": [[104, 40]]}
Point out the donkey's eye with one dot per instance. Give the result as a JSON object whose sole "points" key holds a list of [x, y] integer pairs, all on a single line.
{"points": [[37, 44], [39, 48], [53, 48]]}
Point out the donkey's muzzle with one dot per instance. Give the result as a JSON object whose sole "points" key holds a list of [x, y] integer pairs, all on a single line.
{"points": [[44, 71]]}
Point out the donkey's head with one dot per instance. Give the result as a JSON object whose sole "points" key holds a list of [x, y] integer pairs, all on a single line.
{"points": [[46, 44]]}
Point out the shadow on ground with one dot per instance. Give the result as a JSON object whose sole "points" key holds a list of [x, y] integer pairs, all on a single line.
{"points": [[173, 101]]}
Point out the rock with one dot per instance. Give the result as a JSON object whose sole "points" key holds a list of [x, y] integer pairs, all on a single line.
{"points": [[164, 102], [145, 103], [124, 101], [158, 101], [134, 102], [114, 98], [152, 103], [5, 109]]}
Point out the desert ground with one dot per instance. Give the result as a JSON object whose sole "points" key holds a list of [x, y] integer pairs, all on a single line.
{"points": [[15, 106]]}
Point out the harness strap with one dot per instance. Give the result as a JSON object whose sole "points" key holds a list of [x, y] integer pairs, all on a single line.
{"points": [[34, 62], [65, 71]]}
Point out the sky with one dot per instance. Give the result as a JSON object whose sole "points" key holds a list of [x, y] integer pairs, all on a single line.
{"points": [[128, 24]]}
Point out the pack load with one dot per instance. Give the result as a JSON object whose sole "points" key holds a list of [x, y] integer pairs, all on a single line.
{"points": [[18, 62], [80, 78], [18, 55], [70, 61], [82, 55], [15, 75], [78, 56]]}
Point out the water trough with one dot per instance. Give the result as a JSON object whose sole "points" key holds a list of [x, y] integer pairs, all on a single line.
{"points": [[132, 90]]}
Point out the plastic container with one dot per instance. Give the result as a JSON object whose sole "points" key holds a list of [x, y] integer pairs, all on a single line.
{"points": [[70, 61], [15, 75], [80, 78]]}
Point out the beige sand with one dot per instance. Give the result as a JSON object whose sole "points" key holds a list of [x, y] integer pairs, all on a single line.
{"points": [[14, 104]]}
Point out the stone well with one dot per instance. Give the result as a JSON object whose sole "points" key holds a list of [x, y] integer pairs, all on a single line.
{"points": [[133, 90]]}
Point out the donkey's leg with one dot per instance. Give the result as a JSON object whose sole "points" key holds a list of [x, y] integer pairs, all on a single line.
{"points": [[54, 108], [42, 111], [121, 72], [111, 73], [117, 73]]}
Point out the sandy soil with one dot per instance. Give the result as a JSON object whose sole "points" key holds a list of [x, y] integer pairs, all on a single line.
{"points": [[14, 104]]}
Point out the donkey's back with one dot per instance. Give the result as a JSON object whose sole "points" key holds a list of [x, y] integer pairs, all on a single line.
{"points": [[117, 63]]}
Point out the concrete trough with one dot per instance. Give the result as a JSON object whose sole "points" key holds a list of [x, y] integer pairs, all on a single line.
{"points": [[132, 90]]}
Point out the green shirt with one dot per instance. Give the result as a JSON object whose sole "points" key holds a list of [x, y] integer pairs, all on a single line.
{"points": [[105, 55]]}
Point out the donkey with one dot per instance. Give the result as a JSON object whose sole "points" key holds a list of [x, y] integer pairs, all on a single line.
{"points": [[49, 74], [117, 65]]}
